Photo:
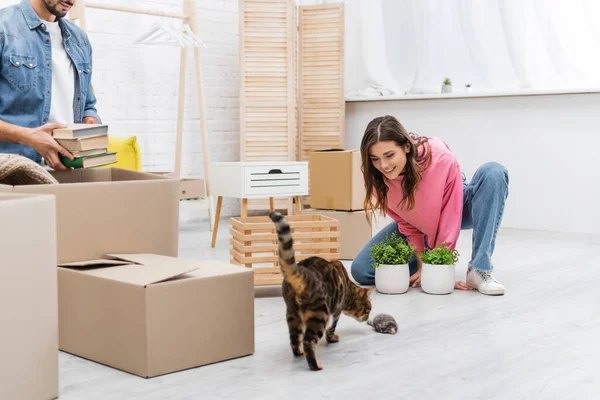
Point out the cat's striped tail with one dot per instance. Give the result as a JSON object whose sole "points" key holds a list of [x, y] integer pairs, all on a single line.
{"points": [[287, 258]]}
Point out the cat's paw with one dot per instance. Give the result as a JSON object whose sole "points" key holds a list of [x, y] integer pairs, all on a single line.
{"points": [[333, 338], [297, 351], [315, 365]]}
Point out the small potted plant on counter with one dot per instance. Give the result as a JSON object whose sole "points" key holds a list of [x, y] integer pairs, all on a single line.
{"points": [[391, 258], [437, 273], [447, 86]]}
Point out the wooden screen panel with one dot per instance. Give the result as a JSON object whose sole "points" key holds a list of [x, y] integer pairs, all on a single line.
{"points": [[296, 79], [268, 123], [321, 109], [267, 93]]}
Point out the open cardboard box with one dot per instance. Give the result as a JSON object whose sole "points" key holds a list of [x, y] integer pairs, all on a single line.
{"points": [[28, 297], [151, 315], [112, 210]]}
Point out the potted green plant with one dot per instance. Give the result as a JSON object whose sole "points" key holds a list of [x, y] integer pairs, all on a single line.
{"points": [[437, 273], [468, 88], [391, 258], [447, 86]]}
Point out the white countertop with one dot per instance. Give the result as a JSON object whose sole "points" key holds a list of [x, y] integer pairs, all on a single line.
{"points": [[460, 94]]}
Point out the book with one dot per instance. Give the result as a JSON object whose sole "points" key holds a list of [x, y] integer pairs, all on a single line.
{"points": [[79, 130], [81, 153], [94, 160], [85, 143]]}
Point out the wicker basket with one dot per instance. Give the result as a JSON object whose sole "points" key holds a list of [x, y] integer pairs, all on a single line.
{"points": [[254, 243]]}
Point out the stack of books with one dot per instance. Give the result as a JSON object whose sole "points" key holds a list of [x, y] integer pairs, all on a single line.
{"points": [[88, 143]]}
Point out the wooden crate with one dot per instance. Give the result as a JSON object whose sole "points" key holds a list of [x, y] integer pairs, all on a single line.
{"points": [[254, 243]]}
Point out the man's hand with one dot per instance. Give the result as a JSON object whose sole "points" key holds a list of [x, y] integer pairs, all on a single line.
{"points": [[41, 140], [90, 120]]}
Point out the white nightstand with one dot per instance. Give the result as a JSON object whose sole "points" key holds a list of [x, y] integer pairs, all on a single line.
{"points": [[257, 180]]}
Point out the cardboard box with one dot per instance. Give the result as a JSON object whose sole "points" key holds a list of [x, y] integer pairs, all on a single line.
{"points": [[112, 210], [355, 231], [28, 298], [336, 181], [151, 315], [189, 188]]}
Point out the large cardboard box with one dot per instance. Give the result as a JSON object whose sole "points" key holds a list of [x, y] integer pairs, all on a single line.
{"points": [[355, 231], [28, 298], [189, 188], [336, 181], [151, 315], [112, 210]]}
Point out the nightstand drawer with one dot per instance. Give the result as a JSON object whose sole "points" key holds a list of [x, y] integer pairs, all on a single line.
{"points": [[274, 180]]}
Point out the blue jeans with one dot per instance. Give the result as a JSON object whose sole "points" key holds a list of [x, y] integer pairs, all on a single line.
{"points": [[483, 205]]}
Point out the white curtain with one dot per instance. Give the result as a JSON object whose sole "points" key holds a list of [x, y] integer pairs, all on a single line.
{"points": [[411, 46]]}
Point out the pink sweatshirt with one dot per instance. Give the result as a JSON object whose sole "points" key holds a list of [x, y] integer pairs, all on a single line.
{"points": [[437, 214]]}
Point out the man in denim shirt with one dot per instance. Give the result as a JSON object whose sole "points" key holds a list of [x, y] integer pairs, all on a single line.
{"points": [[45, 78]]}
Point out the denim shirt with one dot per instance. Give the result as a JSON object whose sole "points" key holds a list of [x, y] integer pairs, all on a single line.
{"points": [[26, 72]]}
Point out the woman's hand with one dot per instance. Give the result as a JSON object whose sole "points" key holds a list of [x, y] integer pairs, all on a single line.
{"points": [[415, 280], [462, 285]]}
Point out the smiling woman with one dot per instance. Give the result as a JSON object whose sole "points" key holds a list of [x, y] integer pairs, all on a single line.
{"points": [[389, 151], [417, 181]]}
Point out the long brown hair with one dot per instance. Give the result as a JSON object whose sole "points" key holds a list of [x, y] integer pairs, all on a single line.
{"points": [[418, 158]]}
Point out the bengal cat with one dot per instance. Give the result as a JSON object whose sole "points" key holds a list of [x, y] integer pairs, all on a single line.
{"points": [[316, 292]]}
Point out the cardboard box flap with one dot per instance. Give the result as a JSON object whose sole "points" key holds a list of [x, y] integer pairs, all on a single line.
{"points": [[94, 263], [148, 259], [145, 269], [212, 268]]}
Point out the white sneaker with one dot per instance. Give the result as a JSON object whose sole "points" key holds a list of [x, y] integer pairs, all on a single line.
{"points": [[484, 282]]}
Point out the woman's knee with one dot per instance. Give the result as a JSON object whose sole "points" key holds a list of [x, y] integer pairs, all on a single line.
{"points": [[360, 271], [495, 172], [493, 168], [356, 270]]}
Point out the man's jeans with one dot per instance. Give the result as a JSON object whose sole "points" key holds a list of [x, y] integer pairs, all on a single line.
{"points": [[483, 205]]}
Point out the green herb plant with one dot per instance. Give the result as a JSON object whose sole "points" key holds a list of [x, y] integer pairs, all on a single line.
{"points": [[440, 255], [394, 250], [447, 81]]}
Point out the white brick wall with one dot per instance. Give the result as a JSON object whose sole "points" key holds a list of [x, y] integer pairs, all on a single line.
{"points": [[137, 85]]}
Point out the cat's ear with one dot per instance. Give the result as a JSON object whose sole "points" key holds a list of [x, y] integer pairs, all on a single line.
{"points": [[370, 290]]}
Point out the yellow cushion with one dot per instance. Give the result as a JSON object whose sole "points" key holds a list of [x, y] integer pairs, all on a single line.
{"points": [[128, 153]]}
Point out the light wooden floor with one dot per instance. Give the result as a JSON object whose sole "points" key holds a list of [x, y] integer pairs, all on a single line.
{"points": [[539, 341]]}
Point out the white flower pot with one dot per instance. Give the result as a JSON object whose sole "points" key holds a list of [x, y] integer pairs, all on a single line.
{"points": [[446, 88], [392, 279], [437, 279]]}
